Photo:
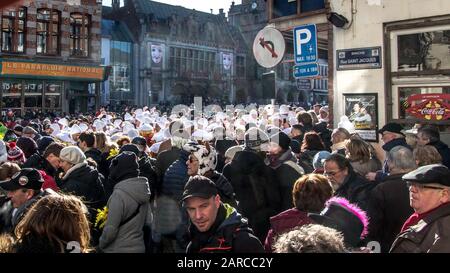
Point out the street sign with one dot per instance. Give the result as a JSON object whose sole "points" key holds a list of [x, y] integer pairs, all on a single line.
{"points": [[306, 70], [359, 58], [305, 44], [304, 84], [269, 47]]}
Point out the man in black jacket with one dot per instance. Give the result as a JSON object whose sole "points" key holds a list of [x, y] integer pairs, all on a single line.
{"points": [[346, 182], [389, 202], [215, 227], [48, 162], [86, 143]]}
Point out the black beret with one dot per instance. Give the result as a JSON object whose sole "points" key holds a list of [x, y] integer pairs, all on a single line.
{"points": [[435, 173]]}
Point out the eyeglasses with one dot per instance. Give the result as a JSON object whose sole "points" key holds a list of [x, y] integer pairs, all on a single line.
{"points": [[331, 173], [421, 186]]}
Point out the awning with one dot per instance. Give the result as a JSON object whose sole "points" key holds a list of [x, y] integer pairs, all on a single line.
{"points": [[55, 71]]}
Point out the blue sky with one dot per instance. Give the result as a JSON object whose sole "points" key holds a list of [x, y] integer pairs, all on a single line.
{"points": [[202, 5]]}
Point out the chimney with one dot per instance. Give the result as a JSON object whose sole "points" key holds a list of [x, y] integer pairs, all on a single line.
{"points": [[211, 11], [221, 14], [115, 4], [232, 4]]}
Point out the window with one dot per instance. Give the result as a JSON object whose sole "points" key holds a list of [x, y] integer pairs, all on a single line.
{"points": [[240, 66], [79, 35], [47, 30], [281, 8], [13, 30]]}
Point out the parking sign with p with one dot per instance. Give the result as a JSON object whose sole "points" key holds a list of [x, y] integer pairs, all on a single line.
{"points": [[305, 44]]}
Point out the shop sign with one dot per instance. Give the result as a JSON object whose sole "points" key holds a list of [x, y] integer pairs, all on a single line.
{"points": [[429, 106], [9, 68], [359, 58]]}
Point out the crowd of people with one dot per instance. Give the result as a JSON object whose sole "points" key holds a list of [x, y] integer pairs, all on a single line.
{"points": [[247, 180]]}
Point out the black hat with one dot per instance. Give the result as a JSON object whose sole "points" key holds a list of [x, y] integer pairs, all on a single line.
{"points": [[27, 178], [130, 148], [123, 166], [295, 146], [199, 186], [435, 173], [254, 137], [18, 128], [343, 219], [139, 141], [392, 127], [282, 139]]}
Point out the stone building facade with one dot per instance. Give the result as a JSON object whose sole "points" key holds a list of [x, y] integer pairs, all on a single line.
{"points": [[50, 56]]}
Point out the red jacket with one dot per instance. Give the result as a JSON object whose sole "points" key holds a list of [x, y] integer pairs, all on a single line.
{"points": [[49, 182], [283, 222]]}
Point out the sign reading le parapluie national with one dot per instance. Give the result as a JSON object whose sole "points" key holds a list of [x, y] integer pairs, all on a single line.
{"points": [[429, 106]]}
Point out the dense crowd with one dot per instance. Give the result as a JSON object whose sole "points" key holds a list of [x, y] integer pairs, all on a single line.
{"points": [[243, 180]]}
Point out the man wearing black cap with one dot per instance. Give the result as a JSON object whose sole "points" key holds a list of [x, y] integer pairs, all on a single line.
{"points": [[24, 189], [392, 136], [215, 227], [427, 230]]}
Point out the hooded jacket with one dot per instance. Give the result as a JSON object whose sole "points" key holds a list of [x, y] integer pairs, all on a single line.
{"points": [[283, 222], [229, 234], [129, 196], [256, 190]]}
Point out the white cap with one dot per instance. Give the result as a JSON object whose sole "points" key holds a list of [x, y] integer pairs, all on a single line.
{"points": [[133, 133], [65, 137], [138, 111], [127, 127], [202, 135], [117, 122], [345, 123], [98, 124], [83, 127], [64, 122], [75, 129], [146, 127], [55, 128], [128, 117]]}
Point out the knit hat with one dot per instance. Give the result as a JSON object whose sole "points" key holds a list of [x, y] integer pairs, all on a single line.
{"points": [[281, 139], [254, 137], [43, 143], [319, 159], [123, 166], [207, 158], [3, 152], [27, 145], [72, 154], [15, 153], [130, 148]]}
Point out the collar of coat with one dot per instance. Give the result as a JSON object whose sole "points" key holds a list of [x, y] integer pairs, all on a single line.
{"points": [[75, 167]]}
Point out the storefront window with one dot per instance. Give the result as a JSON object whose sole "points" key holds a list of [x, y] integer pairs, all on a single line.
{"points": [[13, 27], [405, 92], [11, 94], [53, 95], [33, 94]]}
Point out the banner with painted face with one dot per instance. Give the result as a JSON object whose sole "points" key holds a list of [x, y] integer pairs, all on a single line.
{"points": [[227, 60], [157, 52]]}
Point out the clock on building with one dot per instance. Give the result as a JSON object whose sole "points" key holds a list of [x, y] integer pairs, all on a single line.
{"points": [[254, 6]]}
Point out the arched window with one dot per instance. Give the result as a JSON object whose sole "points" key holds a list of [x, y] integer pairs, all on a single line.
{"points": [[79, 34], [13, 30], [48, 31]]}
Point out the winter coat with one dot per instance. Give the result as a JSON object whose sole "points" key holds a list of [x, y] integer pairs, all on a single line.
{"points": [[229, 234], [163, 162], [388, 209], [306, 160], [119, 235], [287, 172], [444, 151], [362, 168], [356, 189], [95, 154], [170, 217], [284, 222], [256, 189], [324, 133], [430, 235], [147, 170], [388, 147], [86, 182]]}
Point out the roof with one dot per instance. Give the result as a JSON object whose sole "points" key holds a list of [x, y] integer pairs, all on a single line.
{"points": [[164, 11], [118, 31]]}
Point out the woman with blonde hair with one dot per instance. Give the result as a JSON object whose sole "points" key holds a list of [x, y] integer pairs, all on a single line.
{"points": [[426, 155], [361, 156], [57, 223], [109, 151]]}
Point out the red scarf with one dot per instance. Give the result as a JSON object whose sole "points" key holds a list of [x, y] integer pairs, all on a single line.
{"points": [[416, 217]]}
